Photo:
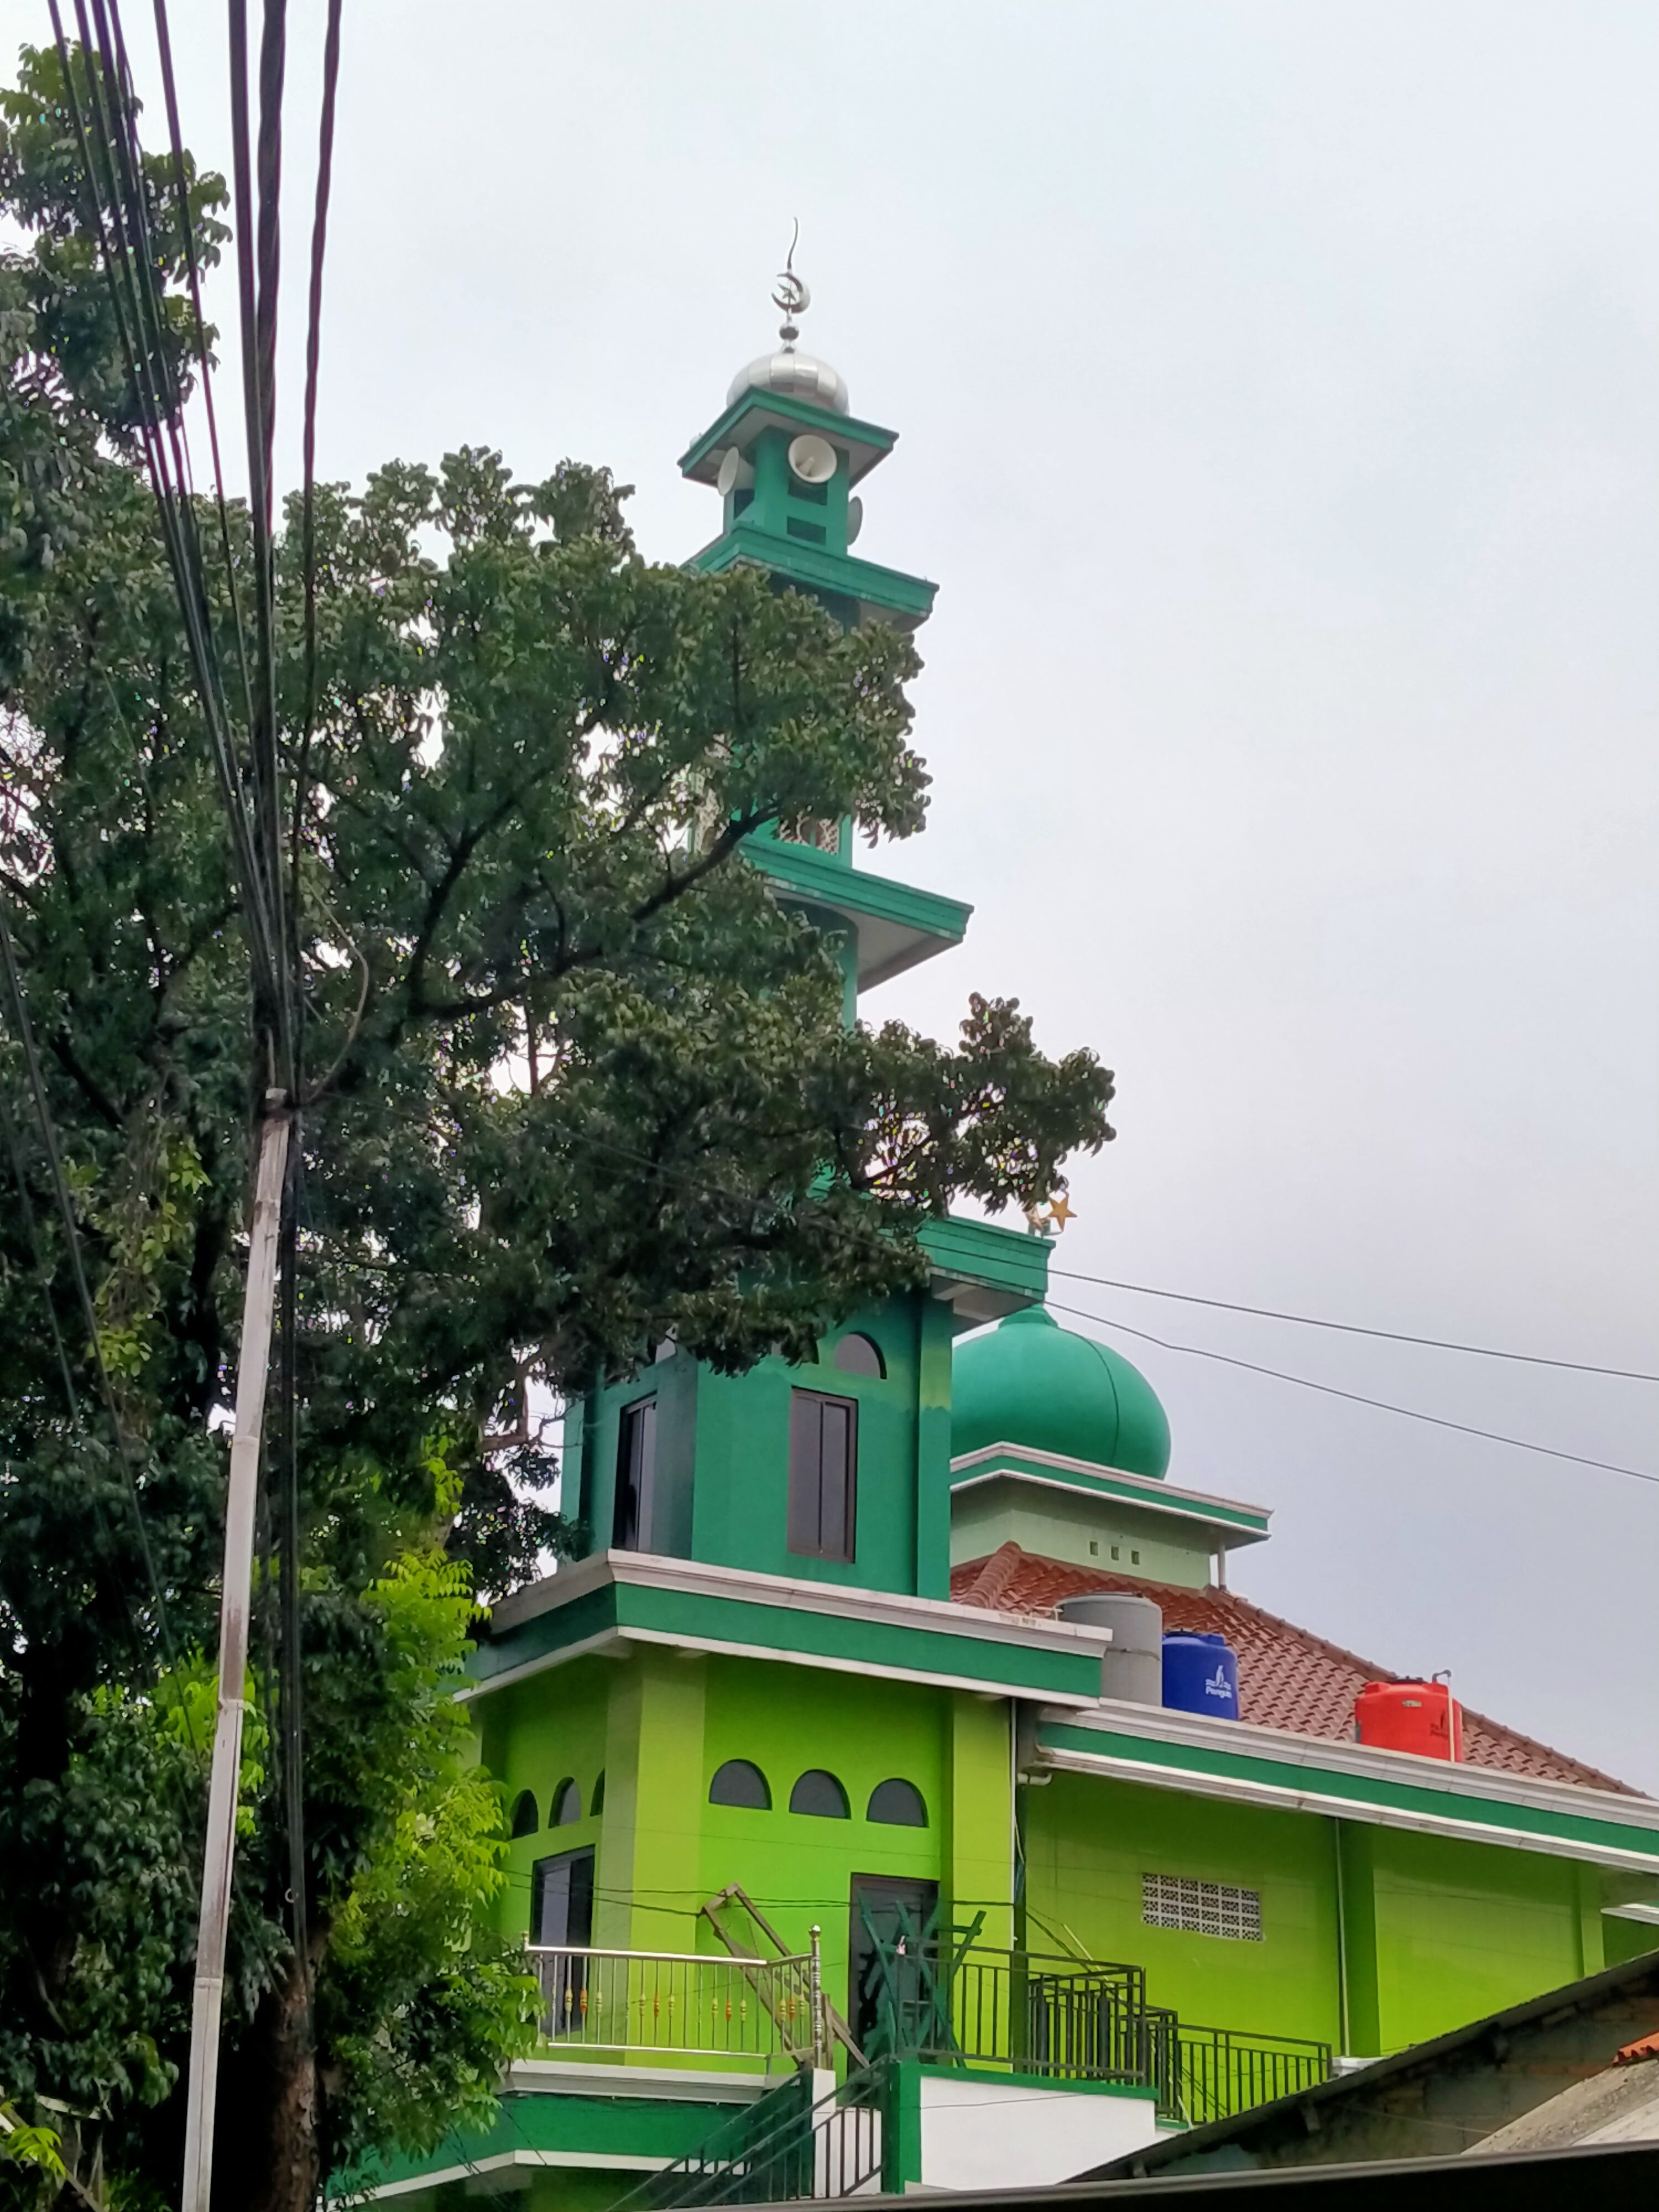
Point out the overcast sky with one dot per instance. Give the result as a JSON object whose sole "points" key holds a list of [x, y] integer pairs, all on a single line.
{"points": [[1277, 411]]}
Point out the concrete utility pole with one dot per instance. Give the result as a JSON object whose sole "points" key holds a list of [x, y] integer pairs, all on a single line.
{"points": [[258, 1299]]}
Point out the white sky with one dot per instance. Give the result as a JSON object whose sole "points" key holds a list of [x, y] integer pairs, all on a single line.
{"points": [[1279, 416]]}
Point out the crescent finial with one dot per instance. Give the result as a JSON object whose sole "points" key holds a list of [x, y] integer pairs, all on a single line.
{"points": [[791, 295]]}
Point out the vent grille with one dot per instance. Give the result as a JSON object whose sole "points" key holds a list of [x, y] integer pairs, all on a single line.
{"points": [[1200, 1908]]}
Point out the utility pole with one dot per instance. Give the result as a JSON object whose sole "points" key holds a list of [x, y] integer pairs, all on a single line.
{"points": [[258, 1299]]}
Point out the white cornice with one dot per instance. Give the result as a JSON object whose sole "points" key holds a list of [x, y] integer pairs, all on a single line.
{"points": [[889, 1608], [1316, 1755], [1149, 1489]]}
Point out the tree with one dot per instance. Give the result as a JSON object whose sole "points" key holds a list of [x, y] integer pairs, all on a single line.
{"points": [[577, 1081]]}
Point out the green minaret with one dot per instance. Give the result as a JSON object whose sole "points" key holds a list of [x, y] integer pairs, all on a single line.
{"points": [[785, 456]]}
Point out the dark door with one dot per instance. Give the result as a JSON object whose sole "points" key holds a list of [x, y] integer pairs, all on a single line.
{"points": [[883, 1996], [562, 1899], [562, 1911]]}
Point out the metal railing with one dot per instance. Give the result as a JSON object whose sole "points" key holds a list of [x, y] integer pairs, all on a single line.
{"points": [[668, 2001], [1082, 2020], [1075, 2019], [785, 2146], [1212, 2073]]}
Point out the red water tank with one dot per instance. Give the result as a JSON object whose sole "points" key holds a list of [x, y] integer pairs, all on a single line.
{"points": [[1420, 1717]]}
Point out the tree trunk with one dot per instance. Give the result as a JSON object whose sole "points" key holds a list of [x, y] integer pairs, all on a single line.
{"points": [[265, 2137]]}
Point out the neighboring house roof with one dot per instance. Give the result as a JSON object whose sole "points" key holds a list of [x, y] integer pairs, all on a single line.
{"points": [[1287, 1677], [1618, 2105]]}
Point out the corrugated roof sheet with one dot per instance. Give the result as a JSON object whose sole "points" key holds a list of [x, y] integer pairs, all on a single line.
{"points": [[1288, 1678]]}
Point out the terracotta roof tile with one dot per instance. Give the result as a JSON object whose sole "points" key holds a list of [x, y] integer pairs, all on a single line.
{"points": [[1287, 1677]]}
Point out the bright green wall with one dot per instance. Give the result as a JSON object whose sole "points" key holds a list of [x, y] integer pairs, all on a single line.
{"points": [[534, 1733], [1461, 1929], [1628, 1939], [1088, 1842], [798, 1867], [1434, 1932], [660, 1721]]}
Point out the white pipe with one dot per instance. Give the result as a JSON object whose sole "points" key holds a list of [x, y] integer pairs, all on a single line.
{"points": [[218, 1861]]}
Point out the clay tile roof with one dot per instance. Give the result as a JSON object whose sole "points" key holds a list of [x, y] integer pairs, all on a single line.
{"points": [[1287, 1677]]}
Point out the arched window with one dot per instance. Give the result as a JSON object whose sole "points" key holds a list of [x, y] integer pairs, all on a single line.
{"points": [[861, 1355], [596, 1802], [740, 1783], [898, 1804], [567, 1804], [820, 1793], [526, 1819]]}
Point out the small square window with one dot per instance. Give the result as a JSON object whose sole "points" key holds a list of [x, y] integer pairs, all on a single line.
{"points": [[1135, 1558], [1115, 1553], [1094, 1549]]}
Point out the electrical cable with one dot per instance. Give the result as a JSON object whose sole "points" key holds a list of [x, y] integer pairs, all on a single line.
{"points": [[256, 258], [204, 359], [292, 1709], [308, 437], [1358, 1398], [1327, 1389], [171, 508], [1354, 1328]]}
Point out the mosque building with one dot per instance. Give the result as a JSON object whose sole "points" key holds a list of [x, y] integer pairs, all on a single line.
{"points": [[880, 1813]]}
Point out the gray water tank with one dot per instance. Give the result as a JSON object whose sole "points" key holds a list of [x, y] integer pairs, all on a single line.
{"points": [[1133, 1666]]}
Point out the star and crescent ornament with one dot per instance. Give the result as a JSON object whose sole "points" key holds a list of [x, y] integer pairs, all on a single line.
{"points": [[1053, 1222]]}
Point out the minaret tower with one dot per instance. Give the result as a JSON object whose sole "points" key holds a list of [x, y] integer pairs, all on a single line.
{"points": [[785, 456], [837, 1470]]}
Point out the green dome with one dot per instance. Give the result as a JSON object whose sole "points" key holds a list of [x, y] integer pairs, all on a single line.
{"points": [[1029, 1381]]}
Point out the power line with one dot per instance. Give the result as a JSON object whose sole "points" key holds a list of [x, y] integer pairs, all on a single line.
{"points": [[1200, 1352], [1358, 1398], [1355, 1328]]}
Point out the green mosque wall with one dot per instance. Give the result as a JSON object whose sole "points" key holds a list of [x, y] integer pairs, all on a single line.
{"points": [[659, 1722], [1441, 1932], [532, 1736], [1426, 1932], [1088, 1843], [722, 1478]]}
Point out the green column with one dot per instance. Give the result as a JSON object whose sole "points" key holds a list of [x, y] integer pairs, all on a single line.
{"points": [[1592, 1929], [646, 1872], [934, 1332], [1357, 1963], [978, 1856]]}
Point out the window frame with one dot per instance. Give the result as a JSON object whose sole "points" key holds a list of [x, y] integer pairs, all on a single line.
{"points": [[808, 1511], [635, 1487]]}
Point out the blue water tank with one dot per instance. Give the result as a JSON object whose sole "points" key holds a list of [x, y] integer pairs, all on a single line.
{"points": [[1200, 1675]]}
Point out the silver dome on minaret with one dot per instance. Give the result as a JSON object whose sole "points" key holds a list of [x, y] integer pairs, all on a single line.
{"points": [[799, 375]]}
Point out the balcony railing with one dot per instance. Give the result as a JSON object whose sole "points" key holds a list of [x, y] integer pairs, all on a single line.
{"points": [[1211, 2073], [1077, 2020], [1069, 2019], [684, 2001]]}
